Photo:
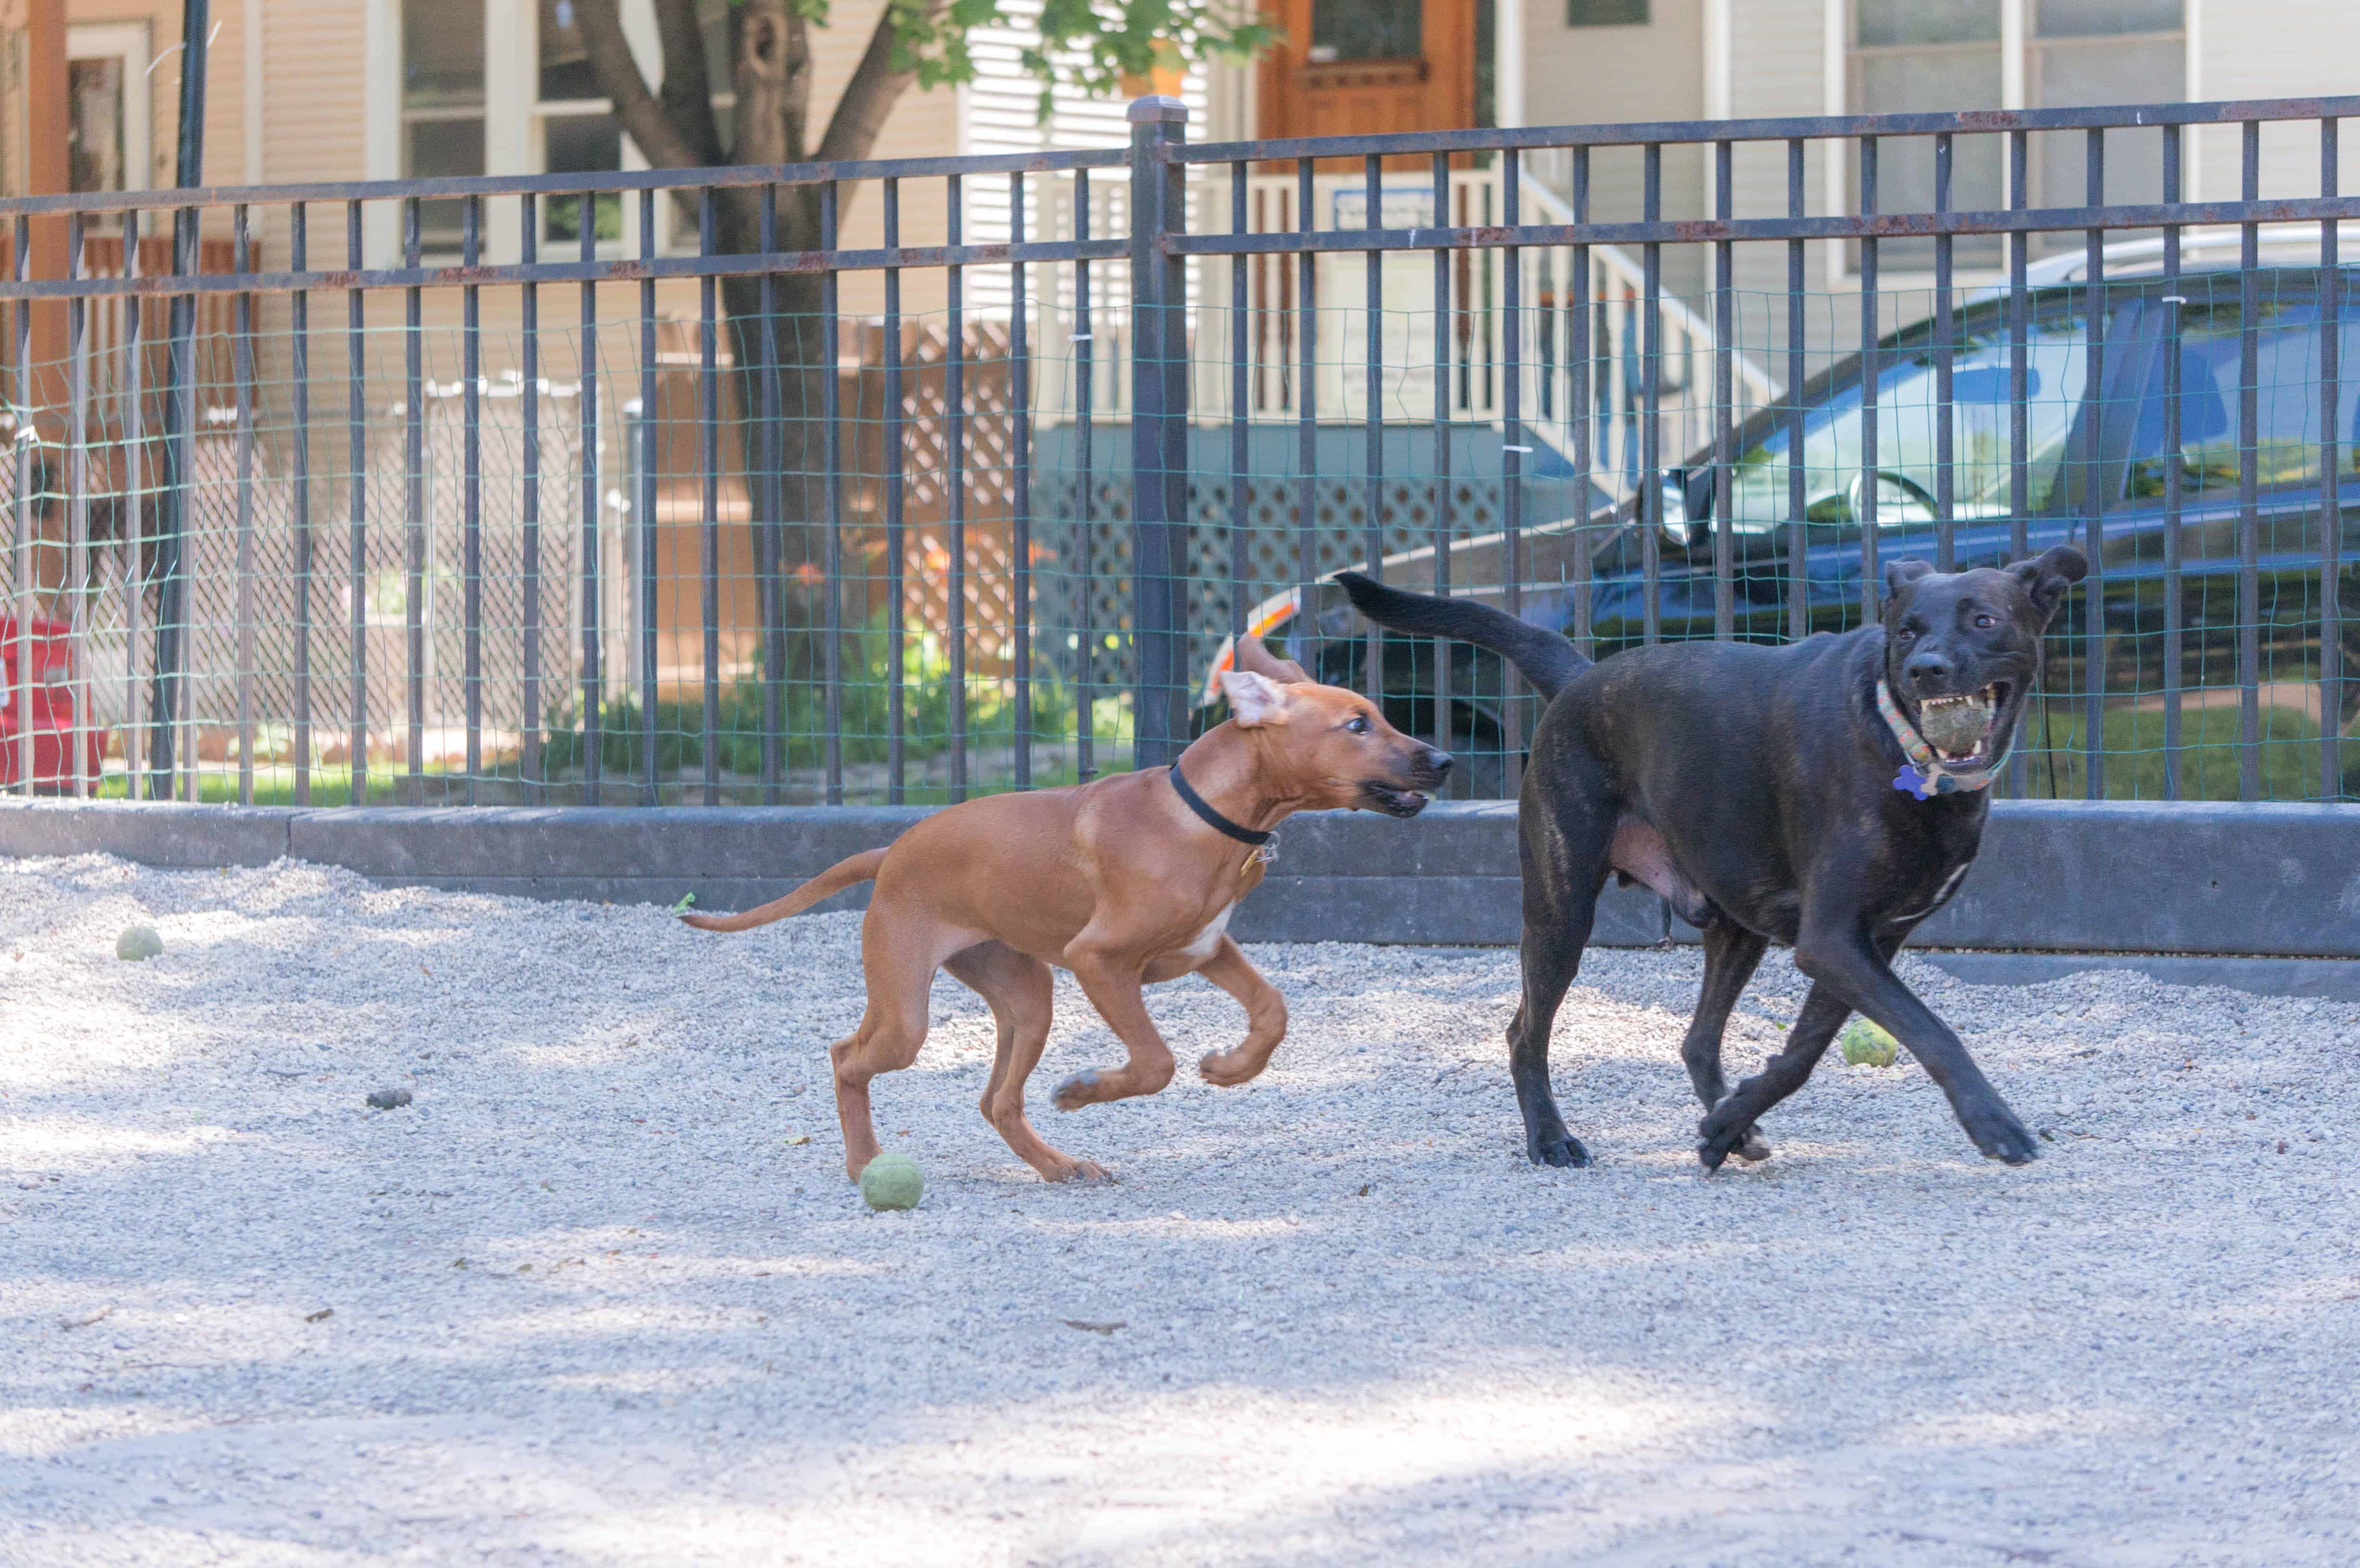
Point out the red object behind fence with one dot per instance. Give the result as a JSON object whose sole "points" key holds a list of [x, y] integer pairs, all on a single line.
{"points": [[52, 646]]}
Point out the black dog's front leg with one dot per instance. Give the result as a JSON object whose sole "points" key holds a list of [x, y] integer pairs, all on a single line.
{"points": [[1730, 956], [1727, 1128], [1847, 965]]}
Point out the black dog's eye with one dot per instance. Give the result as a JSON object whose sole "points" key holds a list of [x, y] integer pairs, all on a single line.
{"points": [[1984, 622], [1908, 635], [1358, 724]]}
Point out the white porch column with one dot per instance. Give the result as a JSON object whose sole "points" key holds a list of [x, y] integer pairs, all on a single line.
{"points": [[1508, 62]]}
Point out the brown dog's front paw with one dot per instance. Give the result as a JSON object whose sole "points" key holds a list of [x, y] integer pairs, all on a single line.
{"points": [[1079, 1090], [1227, 1069], [1089, 1172]]}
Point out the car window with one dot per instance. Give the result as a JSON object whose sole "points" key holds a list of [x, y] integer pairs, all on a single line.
{"points": [[2286, 401], [1907, 417]]}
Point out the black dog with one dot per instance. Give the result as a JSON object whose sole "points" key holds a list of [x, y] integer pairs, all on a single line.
{"points": [[1772, 794]]}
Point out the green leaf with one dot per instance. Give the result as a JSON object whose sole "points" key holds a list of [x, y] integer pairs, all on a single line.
{"points": [[1094, 45]]}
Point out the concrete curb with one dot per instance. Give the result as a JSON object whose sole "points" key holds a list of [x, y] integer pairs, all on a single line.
{"points": [[2203, 883]]}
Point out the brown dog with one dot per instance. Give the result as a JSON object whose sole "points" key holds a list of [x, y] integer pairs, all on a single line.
{"points": [[1120, 880]]}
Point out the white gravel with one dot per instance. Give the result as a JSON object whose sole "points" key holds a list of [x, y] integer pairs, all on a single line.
{"points": [[1355, 1327]]}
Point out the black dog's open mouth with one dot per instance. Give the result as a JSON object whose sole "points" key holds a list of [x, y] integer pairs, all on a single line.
{"points": [[1391, 800], [1964, 728]]}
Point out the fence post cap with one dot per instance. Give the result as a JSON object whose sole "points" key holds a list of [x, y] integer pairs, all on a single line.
{"points": [[1158, 107]]}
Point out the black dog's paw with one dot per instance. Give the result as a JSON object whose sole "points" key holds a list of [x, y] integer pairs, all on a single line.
{"points": [[1558, 1147], [2001, 1137], [1719, 1136], [1713, 1151], [1751, 1148]]}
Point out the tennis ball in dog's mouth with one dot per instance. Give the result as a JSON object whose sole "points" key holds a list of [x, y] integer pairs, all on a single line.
{"points": [[891, 1181], [139, 942], [1866, 1045]]}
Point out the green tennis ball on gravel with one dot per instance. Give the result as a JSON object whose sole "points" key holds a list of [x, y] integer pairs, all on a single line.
{"points": [[1865, 1045], [139, 942], [891, 1181]]}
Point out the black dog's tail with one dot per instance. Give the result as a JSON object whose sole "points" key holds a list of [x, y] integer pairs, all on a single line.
{"points": [[1542, 657]]}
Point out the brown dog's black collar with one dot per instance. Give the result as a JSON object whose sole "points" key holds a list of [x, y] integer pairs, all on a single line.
{"points": [[1212, 818]]}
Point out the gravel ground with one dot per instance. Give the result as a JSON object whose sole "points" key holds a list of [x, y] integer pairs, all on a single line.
{"points": [[593, 1299]]}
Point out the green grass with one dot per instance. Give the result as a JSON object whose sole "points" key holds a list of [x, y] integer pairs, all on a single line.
{"points": [[866, 706], [2134, 767], [274, 784], [2134, 755]]}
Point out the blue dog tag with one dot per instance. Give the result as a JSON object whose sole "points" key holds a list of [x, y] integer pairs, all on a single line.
{"points": [[1910, 780]]}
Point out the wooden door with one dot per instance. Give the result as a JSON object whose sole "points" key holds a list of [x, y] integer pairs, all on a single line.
{"points": [[1368, 68]]}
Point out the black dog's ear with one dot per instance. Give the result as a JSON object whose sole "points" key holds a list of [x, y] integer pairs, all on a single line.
{"points": [[1899, 574], [2046, 579]]}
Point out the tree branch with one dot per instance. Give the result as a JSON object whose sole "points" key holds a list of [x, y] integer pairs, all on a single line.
{"points": [[661, 142], [869, 96], [687, 92]]}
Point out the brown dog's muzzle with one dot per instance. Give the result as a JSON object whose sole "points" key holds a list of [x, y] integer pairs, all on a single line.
{"points": [[1405, 794]]}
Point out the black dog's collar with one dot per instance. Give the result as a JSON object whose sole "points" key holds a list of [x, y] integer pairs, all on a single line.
{"points": [[1210, 817]]}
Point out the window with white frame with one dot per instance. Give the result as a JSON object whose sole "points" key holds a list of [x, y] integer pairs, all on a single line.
{"points": [[460, 96], [1914, 56], [2085, 52], [442, 104], [106, 126], [573, 128]]}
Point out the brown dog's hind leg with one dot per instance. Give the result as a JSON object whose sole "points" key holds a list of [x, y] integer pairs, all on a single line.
{"points": [[1265, 1018], [1022, 993], [899, 973]]}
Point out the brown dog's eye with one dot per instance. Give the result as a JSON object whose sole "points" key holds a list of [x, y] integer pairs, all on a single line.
{"points": [[1358, 724]]}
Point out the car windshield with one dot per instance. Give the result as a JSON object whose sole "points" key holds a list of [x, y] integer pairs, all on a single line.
{"points": [[1905, 426]]}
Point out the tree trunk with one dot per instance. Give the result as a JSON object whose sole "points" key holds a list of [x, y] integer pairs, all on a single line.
{"points": [[782, 358]]}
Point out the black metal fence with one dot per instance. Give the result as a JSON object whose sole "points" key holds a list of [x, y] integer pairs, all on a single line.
{"points": [[907, 521]]}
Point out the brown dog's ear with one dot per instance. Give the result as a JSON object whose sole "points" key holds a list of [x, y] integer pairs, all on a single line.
{"points": [[1899, 574], [1254, 700], [2046, 579], [1252, 654]]}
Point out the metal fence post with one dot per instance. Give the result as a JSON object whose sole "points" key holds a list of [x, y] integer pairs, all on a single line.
{"points": [[1159, 432]]}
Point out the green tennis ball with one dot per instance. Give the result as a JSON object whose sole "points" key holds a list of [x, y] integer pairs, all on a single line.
{"points": [[1866, 1045], [139, 942], [891, 1181]]}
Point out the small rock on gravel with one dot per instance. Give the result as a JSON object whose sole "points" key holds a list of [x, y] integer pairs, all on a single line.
{"points": [[387, 1099]]}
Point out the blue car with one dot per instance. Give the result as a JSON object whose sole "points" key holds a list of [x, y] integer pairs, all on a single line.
{"points": [[2122, 487]]}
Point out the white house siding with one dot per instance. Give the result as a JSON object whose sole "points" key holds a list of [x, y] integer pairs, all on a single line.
{"points": [[1602, 75], [1777, 52], [315, 64], [2281, 48], [1000, 113]]}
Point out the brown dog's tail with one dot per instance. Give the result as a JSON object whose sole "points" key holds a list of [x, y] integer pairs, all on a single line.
{"points": [[861, 868]]}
